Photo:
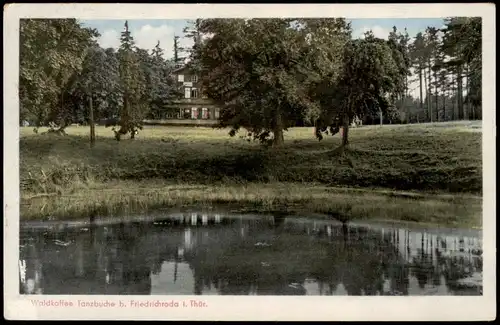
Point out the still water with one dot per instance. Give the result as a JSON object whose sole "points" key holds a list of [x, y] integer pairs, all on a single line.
{"points": [[214, 254]]}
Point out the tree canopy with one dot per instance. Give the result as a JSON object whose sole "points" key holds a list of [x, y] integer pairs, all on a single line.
{"points": [[369, 79], [51, 52], [270, 74], [256, 70], [266, 75], [62, 67]]}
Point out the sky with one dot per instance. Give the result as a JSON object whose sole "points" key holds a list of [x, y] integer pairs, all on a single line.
{"points": [[148, 32]]}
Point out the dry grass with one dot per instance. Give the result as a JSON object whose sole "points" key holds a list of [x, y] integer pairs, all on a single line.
{"points": [[131, 197], [62, 176]]}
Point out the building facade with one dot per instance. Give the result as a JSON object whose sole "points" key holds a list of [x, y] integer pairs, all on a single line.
{"points": [[193, 107]]}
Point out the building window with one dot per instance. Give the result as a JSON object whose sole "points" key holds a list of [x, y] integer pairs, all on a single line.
{"points": [[204, 113], [180, 78], [217, 113], [187, 113], [187, 92], [194, 93], [194, 78], [194, 113]]}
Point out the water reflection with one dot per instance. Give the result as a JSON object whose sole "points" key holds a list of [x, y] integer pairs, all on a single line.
{"points": [[218, 255]]}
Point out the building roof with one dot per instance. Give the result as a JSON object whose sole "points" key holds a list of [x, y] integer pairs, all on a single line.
{"points": [[184, 67]]}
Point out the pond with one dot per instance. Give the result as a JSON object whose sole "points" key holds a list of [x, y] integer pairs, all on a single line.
{"points": [[224, 254]]}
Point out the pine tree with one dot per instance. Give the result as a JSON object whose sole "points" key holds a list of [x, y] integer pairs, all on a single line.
{"points": [[133, 84], [433, 44], [417, 50], [193, 32], [178, 59], [163, 87]]}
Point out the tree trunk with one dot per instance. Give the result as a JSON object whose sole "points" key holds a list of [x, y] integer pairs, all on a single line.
{"points": [[62, 106], [345, 131], [60, 118], [444, 103], [405, 97], [436, 94], [91, 122], [452, 98], [429, 97], [467, 88], [460, 93], [278, 139], [421, 90], [124, 118], [428, 111]]}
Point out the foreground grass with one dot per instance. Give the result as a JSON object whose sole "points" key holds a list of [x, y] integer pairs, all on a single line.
{"points": [[132, 197], [63, 177]]}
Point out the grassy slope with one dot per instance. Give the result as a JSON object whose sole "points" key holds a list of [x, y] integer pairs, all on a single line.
{"points": [[148, 171]]}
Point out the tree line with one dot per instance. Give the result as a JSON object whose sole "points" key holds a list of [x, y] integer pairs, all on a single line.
{"points": [[66, 77], [269, 74], [266, 74]]}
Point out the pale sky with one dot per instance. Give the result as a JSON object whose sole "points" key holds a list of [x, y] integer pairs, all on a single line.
{"points": [[148, 32]]}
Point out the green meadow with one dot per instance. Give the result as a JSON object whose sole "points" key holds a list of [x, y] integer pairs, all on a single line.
{"points": [[426, 173]]}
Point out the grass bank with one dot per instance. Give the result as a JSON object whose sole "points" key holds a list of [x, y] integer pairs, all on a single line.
{"points": [[178, 166], [127, 197]]}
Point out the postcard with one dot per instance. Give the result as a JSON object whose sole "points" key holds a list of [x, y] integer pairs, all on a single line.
{"points": [[249, 162]]}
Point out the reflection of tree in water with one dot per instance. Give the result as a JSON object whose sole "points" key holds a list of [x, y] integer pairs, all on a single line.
{"points": [[363, 260], [422, 265], [232, 264], [458, 267], [281, 263], [244, 256], [94, 260], [279, 219], [112, 259], [130, 269], [445, 262], [31, 273], [370, 259]]}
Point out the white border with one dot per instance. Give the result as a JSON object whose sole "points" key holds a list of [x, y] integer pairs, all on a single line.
{"points": [[262, 307]]}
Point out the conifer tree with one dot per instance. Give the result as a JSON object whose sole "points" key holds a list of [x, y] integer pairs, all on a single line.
{"points": [[133, 84]]}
